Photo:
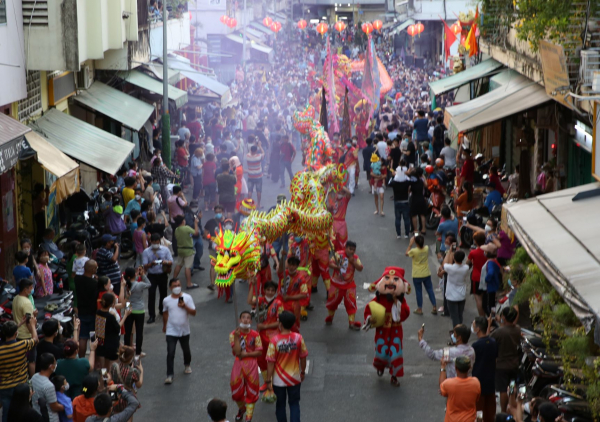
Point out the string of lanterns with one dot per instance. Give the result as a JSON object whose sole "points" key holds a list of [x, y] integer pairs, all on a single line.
{"points": [[367, 27], [230, 22], [415, 29]]}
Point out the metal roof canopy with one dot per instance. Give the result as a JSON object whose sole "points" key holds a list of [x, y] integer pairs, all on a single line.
{"points": [[115, 104], [401, 27], [50, 157], [11, 129], [259, 26], [256, 46], [561, 236], [206, 81], [11, 137], [146, 82], [478, 71], [84, 142], [518, 95], [157, 68]]}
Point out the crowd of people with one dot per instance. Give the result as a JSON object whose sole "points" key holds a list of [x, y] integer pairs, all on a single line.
{"points": [[221, 159]]}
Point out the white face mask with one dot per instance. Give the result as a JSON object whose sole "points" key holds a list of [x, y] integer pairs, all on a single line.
{"points": [[269, 298], [488, 228], [473, 330], [60, 329], [155, 246], [464, 157], [245, 326], [176, 290], [111, 288], [138, 197], [67, 387]]}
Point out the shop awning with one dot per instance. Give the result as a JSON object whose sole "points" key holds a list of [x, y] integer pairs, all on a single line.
{"points": [[83, 141], [54, 161], [150, 84], [115, 104], [451, 82], [518, 95], [253, 32], [157, 68], [253, 45], [506, 76], [388, 25], [11, 137], [207, 82], [561, 235], [260, 27], [401, 27]]}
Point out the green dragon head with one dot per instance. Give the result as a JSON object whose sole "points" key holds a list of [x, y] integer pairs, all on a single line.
{"points": [[238, 254]]}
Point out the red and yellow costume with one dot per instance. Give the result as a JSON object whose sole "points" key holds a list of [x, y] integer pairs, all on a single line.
{"points": [[267, 313], [338, 206], [292, 285], [264, 274], [320, 263], [386, 312], [301, 250], [342, 287], [244, 374], [362, 133]]}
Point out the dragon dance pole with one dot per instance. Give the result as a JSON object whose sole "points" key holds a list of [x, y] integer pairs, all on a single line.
{"points": [[235, 307]]}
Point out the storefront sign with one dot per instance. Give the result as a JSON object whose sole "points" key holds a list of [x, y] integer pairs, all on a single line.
{"points": [[556, 75], [596, 141], [9, 153]]}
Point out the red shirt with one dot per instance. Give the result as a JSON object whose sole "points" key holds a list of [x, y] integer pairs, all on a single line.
{"points": [[468, 171], [195, 128], [182, 157], [249, 342], [497, 183], [286, 350], [287, 151], [338, 206], [379, 183], [300, 250], [477, 257], [292, 285], [208, 173], [344, 277], [268, 313]]}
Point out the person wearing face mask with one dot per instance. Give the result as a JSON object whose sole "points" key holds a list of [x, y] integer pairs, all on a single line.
{"points": [[508, 338], [52, 332], [20, 406], [43, 387], [247, 347], [268, 307], [493, 197], [467, 171], [484, 368], [293, 288], [62, 386], [134, 204], [177, 308], [460, 347], [108, 330], [157, 262], [350, 160]]}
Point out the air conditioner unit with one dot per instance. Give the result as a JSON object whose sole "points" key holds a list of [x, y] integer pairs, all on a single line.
{"points": [[590, 63], [85, 77]]}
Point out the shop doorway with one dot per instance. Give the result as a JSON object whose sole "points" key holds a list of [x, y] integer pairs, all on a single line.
{"points": [[580, 166]]}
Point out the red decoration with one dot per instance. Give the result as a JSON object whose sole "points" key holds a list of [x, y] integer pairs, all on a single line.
{"points": [[322, 28], [456, 28], [301, 24], [232, 23], [224, 19], [419, 27], [339, 26], [377, 25], [275, 27], [267, 22], [367, 27], [412, 30]]}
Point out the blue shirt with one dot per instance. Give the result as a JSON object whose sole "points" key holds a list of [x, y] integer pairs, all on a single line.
{"points": [[20, 272], [61, 398], [50, 246], [133, 205], [150, 255], [493, 277], [484, 367], [421, 126], [492, 199], [448, 226]]}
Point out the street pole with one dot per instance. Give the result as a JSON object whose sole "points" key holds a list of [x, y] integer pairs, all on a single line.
{"points": [[244, 43], [166, 122]]}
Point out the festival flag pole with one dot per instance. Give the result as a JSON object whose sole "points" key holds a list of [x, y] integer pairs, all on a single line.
{"points": [[323, 113], [346, 131]]}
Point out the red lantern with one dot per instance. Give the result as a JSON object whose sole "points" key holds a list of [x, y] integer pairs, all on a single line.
{"points": [[339, 26], [275, 27], [419, 27], [456, 28], [232, 23], [301, 24], [224, 19], [267, 22], [412, 30], [367, 28], [322, 28], [377, 25]]}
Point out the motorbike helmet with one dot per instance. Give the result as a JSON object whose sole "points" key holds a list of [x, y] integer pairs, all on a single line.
{"points": [[429, 169], [439, 163]]}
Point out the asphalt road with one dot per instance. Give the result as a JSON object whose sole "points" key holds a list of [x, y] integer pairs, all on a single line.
{"points": [[341, 384]]}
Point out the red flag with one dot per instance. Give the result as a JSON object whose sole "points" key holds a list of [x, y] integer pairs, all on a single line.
{"points": [[471, 39], [449, 39]]}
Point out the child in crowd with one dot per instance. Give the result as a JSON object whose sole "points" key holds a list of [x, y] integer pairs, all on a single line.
{"points": [[61, 386], [80, 260]]}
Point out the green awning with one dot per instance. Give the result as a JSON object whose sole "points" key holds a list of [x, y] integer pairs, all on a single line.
{"points": [[451, 82], [501, 79], [150, 84], [82, 141], [115, 104], [401, 27]]}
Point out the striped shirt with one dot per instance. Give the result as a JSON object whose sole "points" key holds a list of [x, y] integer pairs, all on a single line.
{"points": [[107, 267], [254, 166], [13, 362]]}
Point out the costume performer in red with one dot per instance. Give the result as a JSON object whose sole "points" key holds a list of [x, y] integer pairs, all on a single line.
{"points": [[338, 206], [247, 347], [293, 288], [344, 264], [361, 130], [300, 248], [385, 313], [268, 307], [320, 264]]}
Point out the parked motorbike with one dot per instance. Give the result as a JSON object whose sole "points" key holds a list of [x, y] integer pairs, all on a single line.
{"points": [[475, 218]]}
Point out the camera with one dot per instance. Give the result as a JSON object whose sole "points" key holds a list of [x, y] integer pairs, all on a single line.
{"points": [[114, 396]]}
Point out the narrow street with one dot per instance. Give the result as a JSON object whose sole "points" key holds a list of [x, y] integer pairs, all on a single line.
{"points": [[340, 384]]}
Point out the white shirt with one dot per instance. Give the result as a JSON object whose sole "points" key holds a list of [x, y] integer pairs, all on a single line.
{"points": [[449, 156], [382, 149], [456, 290], [78, 265], [178, 324]]}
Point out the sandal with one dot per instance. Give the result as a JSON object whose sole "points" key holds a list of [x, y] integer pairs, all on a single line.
{"points": [[376, 212], [418, 312], [380, 372], [394, 381], [240, 414], [434, 311]]}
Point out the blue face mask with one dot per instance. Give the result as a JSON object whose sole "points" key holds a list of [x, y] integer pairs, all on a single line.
{"points": [[218, 216], [298, 239], [510, 283], [453, 338]]}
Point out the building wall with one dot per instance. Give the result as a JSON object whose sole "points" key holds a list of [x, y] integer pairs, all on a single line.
{"points": [[178, 35], [432, 9], [11, 53]]}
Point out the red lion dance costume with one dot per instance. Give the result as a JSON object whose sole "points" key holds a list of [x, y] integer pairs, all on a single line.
{"points": [[386, 312]]}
